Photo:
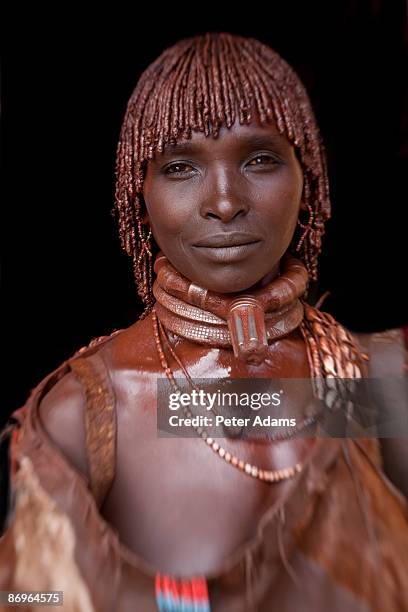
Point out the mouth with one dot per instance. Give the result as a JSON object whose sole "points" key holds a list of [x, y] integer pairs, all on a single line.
{"points": [[228, 247], [232, 239]]}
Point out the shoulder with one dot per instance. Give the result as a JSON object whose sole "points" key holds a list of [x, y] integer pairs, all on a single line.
{"points": [[128, 356], [387, 351], [133, 349]]}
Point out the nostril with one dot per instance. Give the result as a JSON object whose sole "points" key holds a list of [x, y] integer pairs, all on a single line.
{"points": [[224, 208], [225, 215]]}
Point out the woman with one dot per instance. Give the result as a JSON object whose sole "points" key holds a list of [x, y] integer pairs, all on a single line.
{"points": [[222, 195]]}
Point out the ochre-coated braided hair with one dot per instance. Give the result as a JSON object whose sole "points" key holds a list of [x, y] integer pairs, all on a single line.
{"points": [[201, 84]]}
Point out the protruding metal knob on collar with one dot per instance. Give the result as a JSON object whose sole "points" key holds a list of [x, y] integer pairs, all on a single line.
{"points": [[246, 324]]}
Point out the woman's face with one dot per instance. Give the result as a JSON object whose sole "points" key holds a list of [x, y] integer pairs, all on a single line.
{"points": [[224, 210]]}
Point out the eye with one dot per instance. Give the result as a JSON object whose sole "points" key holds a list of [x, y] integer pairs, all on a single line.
{"points": [[263, 159], [179, 168]]}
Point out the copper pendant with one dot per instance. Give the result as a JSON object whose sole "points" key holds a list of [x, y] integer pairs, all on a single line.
{"points": [[246, 324]]}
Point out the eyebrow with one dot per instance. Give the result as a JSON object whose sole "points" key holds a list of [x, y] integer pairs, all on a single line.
{"points": [[253, 141]]}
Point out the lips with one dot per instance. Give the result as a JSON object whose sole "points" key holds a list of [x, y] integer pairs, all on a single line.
{"points": [[231, 239], [227, 249]]}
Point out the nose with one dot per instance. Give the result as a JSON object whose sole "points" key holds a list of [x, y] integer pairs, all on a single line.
{"points": [[224, 201]]}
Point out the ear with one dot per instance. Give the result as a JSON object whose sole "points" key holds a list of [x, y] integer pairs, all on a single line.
{"points": [[303, 205], [145, 217]]}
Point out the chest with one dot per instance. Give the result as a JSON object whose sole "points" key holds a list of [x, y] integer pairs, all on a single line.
{"points": [[176, 498], [173, 497]]}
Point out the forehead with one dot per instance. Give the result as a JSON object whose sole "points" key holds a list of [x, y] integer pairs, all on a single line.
{"points": [[237, 137]]}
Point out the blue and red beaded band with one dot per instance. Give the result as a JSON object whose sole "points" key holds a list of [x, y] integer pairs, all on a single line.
{"points": [[181, 595]]}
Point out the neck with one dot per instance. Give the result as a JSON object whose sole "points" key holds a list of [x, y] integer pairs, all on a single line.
{"points": [[245, 321]]}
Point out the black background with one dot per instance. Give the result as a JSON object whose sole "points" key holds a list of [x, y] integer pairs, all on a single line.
{"points": [[66, 81]]}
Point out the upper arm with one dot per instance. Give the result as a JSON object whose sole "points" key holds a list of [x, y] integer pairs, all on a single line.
{"points": [[62, 412]]}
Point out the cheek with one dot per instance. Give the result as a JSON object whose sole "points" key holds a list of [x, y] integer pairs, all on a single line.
{"points": [[173, 208], [169, 220], [281, 202], [280, 207], [290, 184]]}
